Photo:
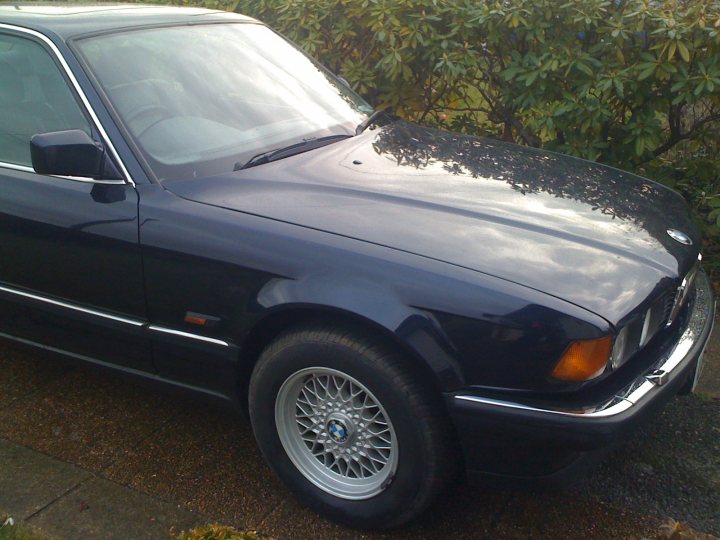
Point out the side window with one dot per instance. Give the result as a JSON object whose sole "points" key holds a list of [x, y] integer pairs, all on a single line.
{"points": [[34, 98]]}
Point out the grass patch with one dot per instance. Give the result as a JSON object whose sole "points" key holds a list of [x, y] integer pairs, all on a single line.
{"points": [[11, 530], [675, 530], [216, 532]]}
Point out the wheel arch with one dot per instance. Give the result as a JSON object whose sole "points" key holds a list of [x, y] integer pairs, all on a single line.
{"points": [[415, 337]]}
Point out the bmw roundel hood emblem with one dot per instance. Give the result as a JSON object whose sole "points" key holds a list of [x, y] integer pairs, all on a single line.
{"points": [[679, 236]]}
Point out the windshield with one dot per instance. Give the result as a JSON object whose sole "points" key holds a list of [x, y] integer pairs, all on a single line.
{"points": [[198, 100]]}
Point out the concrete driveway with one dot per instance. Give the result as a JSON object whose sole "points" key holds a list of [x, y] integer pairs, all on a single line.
{"points": [[86, 454]]}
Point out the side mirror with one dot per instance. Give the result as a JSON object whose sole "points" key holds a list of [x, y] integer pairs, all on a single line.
{"points": [[70, 153]]}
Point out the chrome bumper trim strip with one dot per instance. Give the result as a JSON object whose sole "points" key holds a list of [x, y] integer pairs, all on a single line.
{"points": [[615, 406], [702, 309]]}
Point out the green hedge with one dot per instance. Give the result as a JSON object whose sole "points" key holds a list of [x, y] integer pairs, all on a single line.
{"points": [[632, 83]]}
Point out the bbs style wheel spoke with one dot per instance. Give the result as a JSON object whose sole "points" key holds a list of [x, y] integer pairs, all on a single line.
{"points": [[336, 432]]}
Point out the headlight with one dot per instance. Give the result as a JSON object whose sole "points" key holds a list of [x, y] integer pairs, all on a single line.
{"points": [[619, 355], [583, 360]]}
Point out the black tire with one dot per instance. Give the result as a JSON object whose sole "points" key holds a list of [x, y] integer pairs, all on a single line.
{"points": [[425, 457]]}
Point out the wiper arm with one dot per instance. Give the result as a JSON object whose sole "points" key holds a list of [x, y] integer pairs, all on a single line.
{"points": [[369, 121], [286, 151]]}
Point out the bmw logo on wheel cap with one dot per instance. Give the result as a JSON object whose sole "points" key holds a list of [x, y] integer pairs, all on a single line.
{"points": [[679, 236], [337, 431]]}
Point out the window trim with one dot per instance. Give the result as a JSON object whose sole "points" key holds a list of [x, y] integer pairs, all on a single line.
{"points": [[54, 51]]}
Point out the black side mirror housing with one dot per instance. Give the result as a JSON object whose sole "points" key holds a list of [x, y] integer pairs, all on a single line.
{"points": [[70, 153]]}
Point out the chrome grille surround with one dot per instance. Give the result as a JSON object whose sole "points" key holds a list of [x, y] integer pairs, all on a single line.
{"points": [[643, 329], [682, 293]]}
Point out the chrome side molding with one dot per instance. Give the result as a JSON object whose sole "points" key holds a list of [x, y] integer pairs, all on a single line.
{"points": [[188, 335], [110, 316], [73, 307]]}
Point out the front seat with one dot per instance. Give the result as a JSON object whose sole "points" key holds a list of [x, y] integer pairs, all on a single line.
{"points": [[23, 113]]}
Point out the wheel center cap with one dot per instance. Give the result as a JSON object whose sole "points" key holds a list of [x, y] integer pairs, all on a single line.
{"points": [[339, 427]]}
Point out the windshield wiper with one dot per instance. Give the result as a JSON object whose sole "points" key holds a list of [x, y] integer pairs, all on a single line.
{"points": [[286, 151], [369, 121]]}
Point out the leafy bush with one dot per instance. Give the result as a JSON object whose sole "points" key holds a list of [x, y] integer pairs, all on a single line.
{"points": [[633, 83], [217, 532]]}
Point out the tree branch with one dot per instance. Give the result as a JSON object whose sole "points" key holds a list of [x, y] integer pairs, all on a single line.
{"points": [[677, 136]]}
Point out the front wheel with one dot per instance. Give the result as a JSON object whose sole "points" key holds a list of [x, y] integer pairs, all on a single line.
{"points": [[349, 427]]}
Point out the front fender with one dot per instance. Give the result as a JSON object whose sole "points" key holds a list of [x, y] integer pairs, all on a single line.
{"points": [[371, 303]]}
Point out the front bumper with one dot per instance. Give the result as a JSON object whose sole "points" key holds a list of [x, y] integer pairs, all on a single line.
{"points": [[522, 439]]}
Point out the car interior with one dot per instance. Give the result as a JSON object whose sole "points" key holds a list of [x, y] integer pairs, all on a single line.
{"points": [[34, 98]]}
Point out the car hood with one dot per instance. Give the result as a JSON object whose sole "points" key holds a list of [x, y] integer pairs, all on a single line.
{"points": [[589, 234]]}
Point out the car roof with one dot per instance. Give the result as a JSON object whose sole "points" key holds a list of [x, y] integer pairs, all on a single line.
{"points": [[69, 20]]}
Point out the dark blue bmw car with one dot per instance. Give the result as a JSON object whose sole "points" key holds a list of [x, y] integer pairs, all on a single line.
{"points": [[188, 198]]}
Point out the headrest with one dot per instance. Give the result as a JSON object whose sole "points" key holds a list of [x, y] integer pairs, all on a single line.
{"points": [[21, 58], [121, 66], [12, 88]]}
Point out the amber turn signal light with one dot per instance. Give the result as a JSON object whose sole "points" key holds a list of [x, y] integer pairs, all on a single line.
{"points": [[583, 360]]}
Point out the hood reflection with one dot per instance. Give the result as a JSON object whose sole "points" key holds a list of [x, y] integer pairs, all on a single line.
{"points": [[614, 194]]}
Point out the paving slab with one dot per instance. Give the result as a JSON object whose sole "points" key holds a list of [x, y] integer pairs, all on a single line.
{"points": [[29, 480], [101, 509]]}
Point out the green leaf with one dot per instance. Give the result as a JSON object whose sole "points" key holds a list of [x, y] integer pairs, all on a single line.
{"points": [[531, 77], [584, 68], [647, 72], [639, 146], [619, 87], [684, 52]]}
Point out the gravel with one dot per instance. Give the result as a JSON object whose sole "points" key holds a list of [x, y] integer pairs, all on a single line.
{"points": [[670, 468]]}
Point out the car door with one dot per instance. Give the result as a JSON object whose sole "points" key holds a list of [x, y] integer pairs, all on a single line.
{"points": [[70, 262]]}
